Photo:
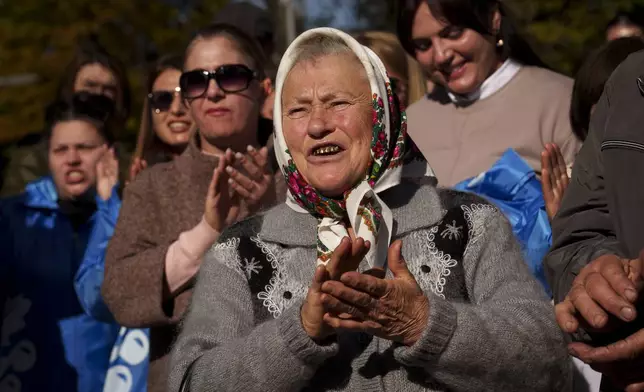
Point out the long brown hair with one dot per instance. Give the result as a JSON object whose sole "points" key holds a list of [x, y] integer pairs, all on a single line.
{"points": [[392, 54], [148, 145]]}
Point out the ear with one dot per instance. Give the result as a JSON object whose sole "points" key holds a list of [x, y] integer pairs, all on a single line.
{"points": [[496, 21], [266, 86]]}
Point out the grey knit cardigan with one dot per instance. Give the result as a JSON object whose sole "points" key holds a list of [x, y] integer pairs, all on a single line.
{"points": [[490, 327]]}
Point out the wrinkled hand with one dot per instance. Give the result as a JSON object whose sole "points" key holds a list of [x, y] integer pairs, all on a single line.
{"points": [[393, 309], [622, 362], [257, 180], [222, 203], [107, 173], [608, 285], [346, 257], [554, 178], [138, 165]]}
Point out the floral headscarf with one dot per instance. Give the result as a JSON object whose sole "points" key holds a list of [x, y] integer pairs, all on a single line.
{"points": [[393, 158]]}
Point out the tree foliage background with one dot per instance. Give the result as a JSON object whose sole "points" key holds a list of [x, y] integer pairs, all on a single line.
{"points": [[39, 37]]}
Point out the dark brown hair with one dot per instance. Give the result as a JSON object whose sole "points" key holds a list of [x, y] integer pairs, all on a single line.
{"points": [[472, 14], [90, 52], [592, 77], [82, 110], [148, 144]]}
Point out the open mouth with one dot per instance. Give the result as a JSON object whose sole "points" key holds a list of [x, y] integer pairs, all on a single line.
{"points": [[178, 126], [328, 149], [75, 177]]}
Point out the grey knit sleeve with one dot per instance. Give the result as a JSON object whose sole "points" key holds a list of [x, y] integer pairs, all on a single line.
{"points": [[222, 348], [506, 337]]}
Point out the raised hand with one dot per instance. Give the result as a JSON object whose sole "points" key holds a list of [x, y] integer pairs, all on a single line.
{"points": [[346, 257], [107, 173], [222, 203], [312, 312], [257, 179], [393, 309], [554, 178], [138, 165]]}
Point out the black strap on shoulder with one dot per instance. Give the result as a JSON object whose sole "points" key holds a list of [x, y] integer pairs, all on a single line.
{"points": [[187, 377]]}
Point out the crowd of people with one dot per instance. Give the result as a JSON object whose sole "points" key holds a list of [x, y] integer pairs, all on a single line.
{"points": [[297, 226]]}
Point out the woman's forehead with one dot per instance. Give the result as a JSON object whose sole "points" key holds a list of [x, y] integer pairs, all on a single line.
{"points": [[213, 52], [340, 71]]}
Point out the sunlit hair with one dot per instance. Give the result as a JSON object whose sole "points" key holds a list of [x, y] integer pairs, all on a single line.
{"points": [[246, 45], [392, 54], [148, 144]]}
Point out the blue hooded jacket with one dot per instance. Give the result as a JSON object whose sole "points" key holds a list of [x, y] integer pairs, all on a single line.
{"points": [[128, 367], [47, 342]]}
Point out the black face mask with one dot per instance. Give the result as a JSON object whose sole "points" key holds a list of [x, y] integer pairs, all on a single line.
{"points": [[79, 209]]}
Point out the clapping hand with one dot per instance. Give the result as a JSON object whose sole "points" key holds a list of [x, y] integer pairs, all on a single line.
{"points": [[346, 257], [138, 165], [393, 309], [257, 179], [554, 178], [107, 173], [222, 203]]}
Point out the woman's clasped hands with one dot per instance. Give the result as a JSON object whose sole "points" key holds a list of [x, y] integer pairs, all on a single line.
{"points": [[340, 298]]}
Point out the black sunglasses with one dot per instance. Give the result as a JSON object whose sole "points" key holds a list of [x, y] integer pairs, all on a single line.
{"points": [[161, 100], [231, 78]]}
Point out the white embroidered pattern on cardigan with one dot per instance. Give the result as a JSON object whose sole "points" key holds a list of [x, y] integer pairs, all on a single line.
{"points": [[227, 253], [273, 296], [476, 216], [439, 263]]}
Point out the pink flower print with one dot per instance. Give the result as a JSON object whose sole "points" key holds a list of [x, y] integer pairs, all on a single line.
{"points": [[374, 119], [311, 195]]}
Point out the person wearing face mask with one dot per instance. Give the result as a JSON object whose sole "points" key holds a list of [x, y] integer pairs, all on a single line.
{"points": [[173, 212], [48, 342], [165, 130], [92, 70], [492, 92]]}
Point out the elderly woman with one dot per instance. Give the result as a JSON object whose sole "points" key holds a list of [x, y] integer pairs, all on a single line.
{"points": [[460, 312]]}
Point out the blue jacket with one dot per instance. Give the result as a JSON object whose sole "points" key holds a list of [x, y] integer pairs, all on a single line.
{"points": [[48, 342], [130, 356]]}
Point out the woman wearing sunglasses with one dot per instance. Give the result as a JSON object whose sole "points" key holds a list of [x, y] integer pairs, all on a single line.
{"points": [[166, 125], [165, 227]]}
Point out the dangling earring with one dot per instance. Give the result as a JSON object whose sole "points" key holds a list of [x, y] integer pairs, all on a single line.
{"points": [[499, 43]]}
